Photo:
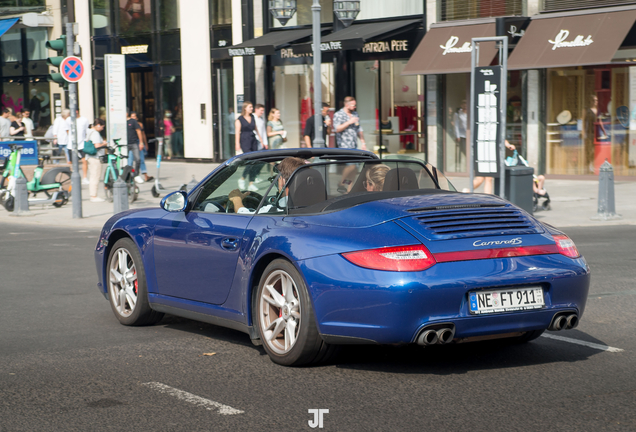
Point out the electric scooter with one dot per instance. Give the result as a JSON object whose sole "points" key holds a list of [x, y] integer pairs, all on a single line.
{"points": [[55, 183], [158, 189]]}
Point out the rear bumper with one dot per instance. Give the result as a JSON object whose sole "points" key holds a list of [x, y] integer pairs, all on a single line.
{"points": [[352, 303]]}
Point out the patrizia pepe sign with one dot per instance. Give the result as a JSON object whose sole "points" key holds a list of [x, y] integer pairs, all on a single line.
{"points": [[579, 41], [450, 46]]}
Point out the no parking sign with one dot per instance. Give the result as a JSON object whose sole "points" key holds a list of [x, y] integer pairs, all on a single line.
{"points": [[72, 69]]}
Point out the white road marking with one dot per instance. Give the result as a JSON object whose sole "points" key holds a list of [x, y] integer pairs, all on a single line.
{"points": [[587, 344], [193, 399]]}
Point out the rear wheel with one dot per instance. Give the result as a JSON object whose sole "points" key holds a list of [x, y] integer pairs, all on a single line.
{"points": [[127, 287], [285, 318], [64, 179]]}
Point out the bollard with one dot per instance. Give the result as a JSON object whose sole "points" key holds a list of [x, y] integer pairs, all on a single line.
{"points": [[193, 183], [120, 196], [21, 198], [606, 203]]}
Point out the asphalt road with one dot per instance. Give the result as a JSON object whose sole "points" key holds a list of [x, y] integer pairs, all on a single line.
{"points": [[66, 364]]}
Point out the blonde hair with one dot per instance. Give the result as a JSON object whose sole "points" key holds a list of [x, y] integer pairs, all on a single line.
{"points": [[270, 116], [244, 108], [377, 174]]}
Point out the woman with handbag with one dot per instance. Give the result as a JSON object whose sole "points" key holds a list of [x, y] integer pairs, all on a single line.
{"points": [[276, 133], [94, 147]]}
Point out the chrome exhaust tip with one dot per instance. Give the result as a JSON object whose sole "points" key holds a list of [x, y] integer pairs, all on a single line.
{"points": [[572, 321], [559, 323], [428, 337], [445, 335]]}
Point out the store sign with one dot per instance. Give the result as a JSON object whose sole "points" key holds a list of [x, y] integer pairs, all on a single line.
{"points": [[28, 154], [288, 53], [487, 120], [329, 46], [579, 41], [514, 32], [385, 46], [449, 48], [222, 43], [116, 100], [241, 52], [134, 49]]}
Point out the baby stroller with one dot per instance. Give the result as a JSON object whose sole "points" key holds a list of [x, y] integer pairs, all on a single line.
{"points": [[536, 197]]}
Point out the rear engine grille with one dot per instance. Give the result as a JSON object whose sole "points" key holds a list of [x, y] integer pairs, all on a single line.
{"points": [[470, 222]]}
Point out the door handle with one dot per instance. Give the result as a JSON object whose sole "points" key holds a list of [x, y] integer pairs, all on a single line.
{"points": [[230, 243]]}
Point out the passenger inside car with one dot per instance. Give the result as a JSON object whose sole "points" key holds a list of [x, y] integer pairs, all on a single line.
{"points": [[375, 178]]}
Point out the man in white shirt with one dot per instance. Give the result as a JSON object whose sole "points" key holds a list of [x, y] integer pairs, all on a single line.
{"points": [[28, 123], [81, 124], [61, 132], [5, 123], [259, 112]]}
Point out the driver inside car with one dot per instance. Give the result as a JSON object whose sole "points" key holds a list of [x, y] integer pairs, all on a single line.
{"points": [[286, 168]]}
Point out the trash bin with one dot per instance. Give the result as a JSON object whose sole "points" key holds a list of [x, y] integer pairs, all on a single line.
{"points": [[518, 186]]}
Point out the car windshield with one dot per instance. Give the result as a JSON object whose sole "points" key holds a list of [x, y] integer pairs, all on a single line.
{"points": [[336, 185]]}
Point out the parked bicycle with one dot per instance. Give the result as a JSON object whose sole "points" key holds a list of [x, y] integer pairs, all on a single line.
{"points": [[114, 170], [55, 183]]}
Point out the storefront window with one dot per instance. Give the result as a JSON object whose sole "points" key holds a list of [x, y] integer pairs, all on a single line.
{"points": [[220, 12], [303, 15], [372, 9], [293, 87], [591, 114], [457, 118], [169, 14], [134, 16], [12, 46], [100, 10], [450, 10]]}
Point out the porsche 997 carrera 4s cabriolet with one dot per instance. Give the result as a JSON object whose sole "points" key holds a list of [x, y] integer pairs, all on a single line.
{"points": [[308, 249]]}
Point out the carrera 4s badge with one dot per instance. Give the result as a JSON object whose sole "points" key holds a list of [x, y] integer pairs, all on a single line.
{"points": [[514, 241]]}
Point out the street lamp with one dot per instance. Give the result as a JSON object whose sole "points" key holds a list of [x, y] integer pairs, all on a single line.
{"points": [[346, 11], [282, 10]]}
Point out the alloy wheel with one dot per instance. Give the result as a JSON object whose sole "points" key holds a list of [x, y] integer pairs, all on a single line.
{"points": [[123, 282], [280, 312]]}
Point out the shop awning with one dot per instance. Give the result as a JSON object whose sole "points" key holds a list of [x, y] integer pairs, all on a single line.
{"points": [[572, 39], [446, 48], [264, 45], [355, 36], [6, 24]]}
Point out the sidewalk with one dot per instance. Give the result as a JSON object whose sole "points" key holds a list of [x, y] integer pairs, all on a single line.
{"points": [[574, 202]]}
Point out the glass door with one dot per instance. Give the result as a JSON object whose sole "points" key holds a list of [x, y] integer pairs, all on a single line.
{"points": [[224, 115]]}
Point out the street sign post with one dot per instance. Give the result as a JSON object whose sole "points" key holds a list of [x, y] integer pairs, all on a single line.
{"points": [[72, 69], [488, 88]]}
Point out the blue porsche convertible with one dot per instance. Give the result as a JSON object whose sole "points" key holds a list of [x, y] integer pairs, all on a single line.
{"points": [[308, 249]]}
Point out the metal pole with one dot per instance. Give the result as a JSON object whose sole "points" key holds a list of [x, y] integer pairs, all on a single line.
{"points": [[474, 58], [503, 87], [76, 182], [318, 140]]}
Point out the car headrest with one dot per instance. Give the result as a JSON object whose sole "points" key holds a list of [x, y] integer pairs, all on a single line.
{"points": [[307, 188], [400, 179]]}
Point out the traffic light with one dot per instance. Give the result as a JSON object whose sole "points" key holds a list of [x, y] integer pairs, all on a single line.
{"points": [[58, 45]]}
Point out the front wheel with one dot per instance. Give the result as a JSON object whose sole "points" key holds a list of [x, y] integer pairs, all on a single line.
{"points": [[285, 318], [127, 287]]}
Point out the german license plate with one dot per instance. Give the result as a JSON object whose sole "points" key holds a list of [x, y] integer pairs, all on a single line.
{"points": [[507, 300]]}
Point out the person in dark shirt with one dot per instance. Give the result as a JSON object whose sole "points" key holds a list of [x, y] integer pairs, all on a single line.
{"points": [[310, 131], [135, 144]]}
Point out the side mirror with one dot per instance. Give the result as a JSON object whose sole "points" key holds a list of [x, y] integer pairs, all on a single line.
{"points": [[175, 202]]}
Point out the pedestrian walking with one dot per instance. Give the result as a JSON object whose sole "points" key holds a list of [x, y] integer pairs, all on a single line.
{"points": [[276, 133], [93, 162], [310, 131], [135, 144], [143, 171], [5, 123], [28, 123], [347, 124], [81, 127], [61, 133], [17, 127], [168, 130], [259, 112], [247, 138]]}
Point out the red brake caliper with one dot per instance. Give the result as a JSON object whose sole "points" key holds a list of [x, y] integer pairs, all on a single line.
{"points": [[280, 311], [136, 284]]}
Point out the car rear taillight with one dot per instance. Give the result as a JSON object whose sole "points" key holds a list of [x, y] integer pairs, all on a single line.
{"points": [[566, 246], [400, 258]]}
